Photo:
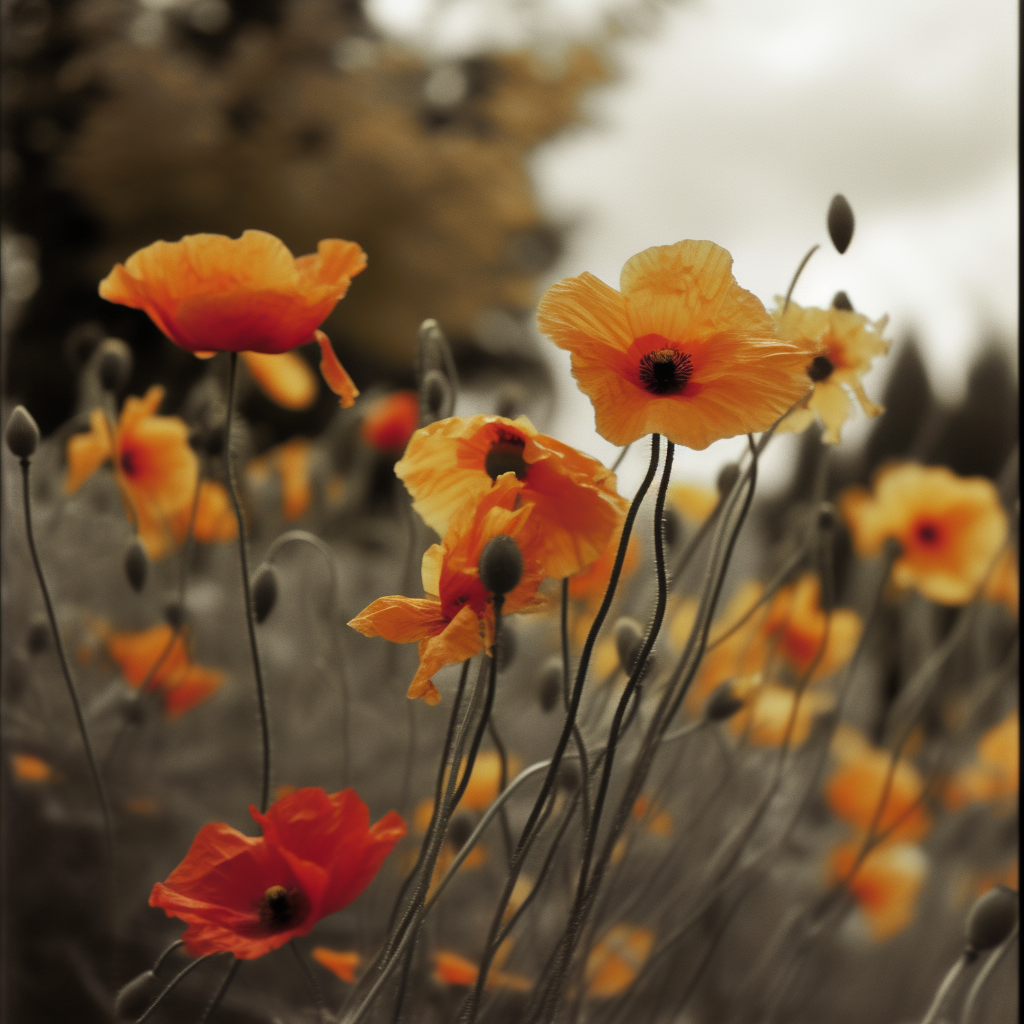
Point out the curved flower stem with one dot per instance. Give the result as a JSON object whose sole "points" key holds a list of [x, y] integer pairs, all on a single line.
{"points": [[499, 746], [799, 270], [577, 735], [952, 975], [318, 995], [473, 1000], [108, 826], [261, 696], [177, 944], [967, 1013], [620, 457], [222, 991], [171, 986]]}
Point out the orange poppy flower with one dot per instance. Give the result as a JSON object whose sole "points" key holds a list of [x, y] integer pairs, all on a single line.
{"points": [[682, 350], [765, 716], [842, 344], [1003, 583], [29, 768], [591, 583], [657, 821], [457, 460], [616, 959], [156, 471], [456, 618], [950, 528], [341, 964], [248, 896], [452, 969], [997, 773], [886, 885], [285, 377], [390, 422], [693, 501], [854, 792], [796, 623], [181, 683], [291, 460]]}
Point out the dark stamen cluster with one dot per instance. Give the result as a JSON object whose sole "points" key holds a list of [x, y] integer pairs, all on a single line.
{"points": [[282, 908], [820, 369], [506, 456], [665, 371]]}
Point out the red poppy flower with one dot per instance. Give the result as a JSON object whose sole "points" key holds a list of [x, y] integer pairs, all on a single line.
{"points": [[248, 896], [390, 421]]}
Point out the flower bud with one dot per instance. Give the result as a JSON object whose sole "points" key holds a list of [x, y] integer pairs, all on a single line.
{"points": [[550, 682], [459, 831], [991, 918], [727, 477], [629, 638], [22, 434], [115, 364], [842, 301], [264, 591], [501, 565], [827, 515], [437, 400], [723, 703], [840, 223], [174, 613], [434, 352], [38, 638], [136, 564], [135, 998]]}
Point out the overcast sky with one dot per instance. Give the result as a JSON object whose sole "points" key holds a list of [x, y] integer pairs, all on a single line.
{"points": [[737, 120]]}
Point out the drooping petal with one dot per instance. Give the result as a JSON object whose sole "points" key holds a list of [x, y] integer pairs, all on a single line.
{"points": [[334, 373], [87, 452]]}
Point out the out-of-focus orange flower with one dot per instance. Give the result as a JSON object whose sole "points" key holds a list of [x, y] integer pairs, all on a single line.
{"points": [[997, 772], [156, 471], [476, 857], [886, 885], [842, 344], [682, 350], [457, 460], [854, 793], [456, 618], [291, 460], [654, 819], [591, 584], [181, 683], [285, 377], [693, 501], [211, 293], [1003, 583], [390, 422], [796, 623], [248, 896], [950, 528], [616, 959], [482, 788], [29, 768], [145, 806], [341, 964], [765, 716], [456, 970], [1008, 875]]}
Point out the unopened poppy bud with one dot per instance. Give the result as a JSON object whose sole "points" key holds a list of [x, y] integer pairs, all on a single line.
{"points": [[827, 515], [840, 222], [264, 591], [505, 648], [991, 918], [723, 703], [38, 636], [135, 998], [459, 831], [842, 301], [436, 398], [115, 364], [22, 434], [727, 477], [550, 682], [434, 352], [136, 564], [629, 638], [501, 565], [174, 613]]}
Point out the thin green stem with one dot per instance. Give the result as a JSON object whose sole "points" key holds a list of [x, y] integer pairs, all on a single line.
{"points": [[577, 735], [222, 991]]}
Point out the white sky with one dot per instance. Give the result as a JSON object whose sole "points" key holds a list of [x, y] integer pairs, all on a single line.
{"points": [[737, 120]]}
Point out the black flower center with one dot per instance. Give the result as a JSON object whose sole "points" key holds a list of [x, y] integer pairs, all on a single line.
{"points": [[282, 908], [928, 534], [820, 369], [506, 456], [665, 371], [127, 463]]}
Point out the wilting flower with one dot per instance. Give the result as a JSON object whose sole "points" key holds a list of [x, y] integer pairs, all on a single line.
{"points": [[950, 528], [456, 618], [390, 421], [156, 471], [616, 959], [458, 460], [210, 293], [248, 896], [285, 377], [842, 344], [997, 771], [682, 350], [160, 656], [886, 884]]}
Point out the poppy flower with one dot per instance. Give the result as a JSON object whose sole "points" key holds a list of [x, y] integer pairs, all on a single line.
{"points": [[842, 344], [341, 964], [291, 460], [29, 768], [764, 718], [160, 656], [156, 471], [996, 774], [950, 528], [616, 959], [682, 350], [248, 896], [854, 792], [696, 503], [590, 584], [285, 377], [456, 618], [457, 460], [886, 884], [657, 821], [390, 421], [455, 970]]}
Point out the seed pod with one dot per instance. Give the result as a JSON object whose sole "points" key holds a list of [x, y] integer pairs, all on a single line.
{"points": [[550, 682], [827, 515], [437, 400], [629, 638], [264, 591], [723, 703], [115, 364], [434, 353], [501, 565], [135, 998], [842, 301], [727, 477], [991, 918], [840, 222], [136, 564], [22, 434]]}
